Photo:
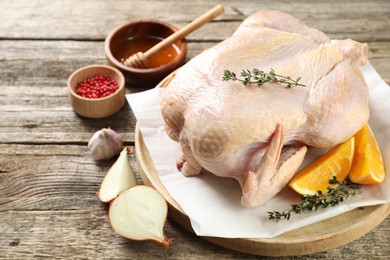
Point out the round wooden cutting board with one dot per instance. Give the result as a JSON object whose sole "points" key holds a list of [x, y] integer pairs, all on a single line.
{"points": [[318, 237]]}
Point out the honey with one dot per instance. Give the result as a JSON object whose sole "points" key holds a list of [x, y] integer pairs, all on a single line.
{"points": [[142, 44]]}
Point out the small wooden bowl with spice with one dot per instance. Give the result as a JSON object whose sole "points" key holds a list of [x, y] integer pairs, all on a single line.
{"points": [[96, 91], [139, 36]]}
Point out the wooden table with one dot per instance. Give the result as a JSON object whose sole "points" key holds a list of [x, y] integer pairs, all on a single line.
{"points": [[48, 180]]}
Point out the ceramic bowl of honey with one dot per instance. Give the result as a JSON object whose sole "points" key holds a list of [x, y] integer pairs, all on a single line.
{"points": [[139, 36], [96, 91]]}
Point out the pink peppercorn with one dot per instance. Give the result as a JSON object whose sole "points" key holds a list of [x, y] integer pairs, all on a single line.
{"points": [[97, 87]]}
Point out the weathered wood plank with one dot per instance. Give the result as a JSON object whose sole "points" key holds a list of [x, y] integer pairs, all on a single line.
{"points": [[358, 19], [61, 126], [48, 205], [86, 233], [49, 68], [34, 104], [51, 177]]}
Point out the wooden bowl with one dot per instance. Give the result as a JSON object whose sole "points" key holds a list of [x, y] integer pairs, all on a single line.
{"points": [[143, 77], [99, 107]]}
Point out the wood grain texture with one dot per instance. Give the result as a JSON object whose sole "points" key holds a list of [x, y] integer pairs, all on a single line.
{"points": [[47, 67], [359, 19], [86, 234], [48, 207], [37, 103], [48, 180]]}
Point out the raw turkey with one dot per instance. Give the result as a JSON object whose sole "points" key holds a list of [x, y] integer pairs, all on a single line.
{"points": [[259, 135]]}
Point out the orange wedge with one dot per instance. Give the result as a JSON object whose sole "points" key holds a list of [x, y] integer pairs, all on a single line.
{"points": [[368, 166], [336, 162]]}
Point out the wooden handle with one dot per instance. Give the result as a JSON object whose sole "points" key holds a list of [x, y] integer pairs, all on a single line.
{"points": [[189, 28]]}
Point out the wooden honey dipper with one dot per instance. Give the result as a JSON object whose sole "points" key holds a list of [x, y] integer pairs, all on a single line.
{"points": [[140, 59]]}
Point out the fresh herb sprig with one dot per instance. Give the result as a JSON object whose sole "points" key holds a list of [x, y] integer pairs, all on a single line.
{"points": [[334, 196], [260, 78]]}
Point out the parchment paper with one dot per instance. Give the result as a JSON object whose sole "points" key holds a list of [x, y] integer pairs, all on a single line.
{"points": [[213, 204]]}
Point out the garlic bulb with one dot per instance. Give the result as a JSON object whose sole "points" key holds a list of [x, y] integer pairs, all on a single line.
{"points": [[104, 144]]}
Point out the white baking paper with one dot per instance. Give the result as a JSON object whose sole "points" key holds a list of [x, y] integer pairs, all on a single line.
{"points": [[213, 203]]}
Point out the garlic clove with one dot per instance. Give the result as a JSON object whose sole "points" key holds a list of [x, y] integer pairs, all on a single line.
{"points": [[104, 144], [140, 213], [118, 178]]}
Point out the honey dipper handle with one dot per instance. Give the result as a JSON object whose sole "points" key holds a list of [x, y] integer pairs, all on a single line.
{"points": [[189, 28]]}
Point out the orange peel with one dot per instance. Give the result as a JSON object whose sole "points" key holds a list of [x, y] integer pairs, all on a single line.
{"points": [[336, 162], [368, 166]]}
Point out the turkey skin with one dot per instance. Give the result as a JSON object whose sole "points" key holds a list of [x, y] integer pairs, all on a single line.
{"points": [[259, 135]]}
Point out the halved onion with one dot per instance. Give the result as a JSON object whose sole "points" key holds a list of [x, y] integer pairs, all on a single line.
{"points": [[118, 178], [140, 213]]}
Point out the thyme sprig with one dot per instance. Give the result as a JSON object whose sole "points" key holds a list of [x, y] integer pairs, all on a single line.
{"points": [[260, 77], [334, 196]]}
